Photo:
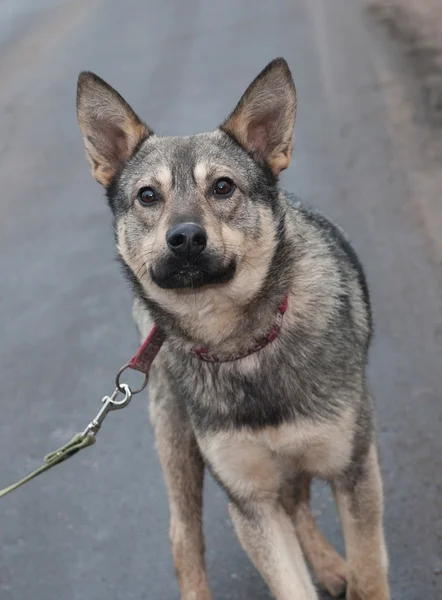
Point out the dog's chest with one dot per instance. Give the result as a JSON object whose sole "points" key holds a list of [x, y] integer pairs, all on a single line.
{"points": [[250, 462]]}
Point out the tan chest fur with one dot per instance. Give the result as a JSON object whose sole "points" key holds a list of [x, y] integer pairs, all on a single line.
{"points": [[259, 463]]}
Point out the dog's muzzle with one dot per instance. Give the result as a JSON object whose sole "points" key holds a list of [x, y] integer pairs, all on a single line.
{"points": [[190, 262], [172, 273]]}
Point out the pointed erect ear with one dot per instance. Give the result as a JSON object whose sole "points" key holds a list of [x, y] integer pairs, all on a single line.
{"points": [[111, 129], [264, 118]]}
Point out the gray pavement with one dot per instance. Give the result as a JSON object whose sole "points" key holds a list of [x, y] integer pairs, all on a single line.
{"points": [[96, 528]]}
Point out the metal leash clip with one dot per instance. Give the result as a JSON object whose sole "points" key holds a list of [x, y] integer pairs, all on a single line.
{"points": [[109, 403]]}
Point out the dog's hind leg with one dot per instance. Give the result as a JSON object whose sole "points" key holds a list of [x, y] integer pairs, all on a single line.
{"points": [[183, 470], [328, 565], [359, 499], [268, 535]]}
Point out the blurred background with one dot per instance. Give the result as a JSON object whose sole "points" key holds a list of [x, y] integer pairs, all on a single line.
{"points": [[368, 152]]}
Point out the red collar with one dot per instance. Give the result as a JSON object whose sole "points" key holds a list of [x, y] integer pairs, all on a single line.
{"points": [[143, 359], [257, 344]]}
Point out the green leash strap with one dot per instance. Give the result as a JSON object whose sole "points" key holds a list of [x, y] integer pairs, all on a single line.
{"points": [[142, 362], [87, 438], [77, 443]]}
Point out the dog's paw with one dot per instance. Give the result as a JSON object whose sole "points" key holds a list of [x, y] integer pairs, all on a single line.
{"points": [[333, 578], [198, 594], [380, 593], [336, 586]]}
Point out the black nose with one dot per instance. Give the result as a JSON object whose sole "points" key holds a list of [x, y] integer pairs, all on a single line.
{"points": [[186, 239]]}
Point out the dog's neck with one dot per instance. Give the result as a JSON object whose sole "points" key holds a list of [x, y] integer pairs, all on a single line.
{"points": [[218, 324]]}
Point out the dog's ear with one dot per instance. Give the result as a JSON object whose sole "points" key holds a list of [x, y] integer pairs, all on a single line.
{"points": [[111, 129], [263, 121]]}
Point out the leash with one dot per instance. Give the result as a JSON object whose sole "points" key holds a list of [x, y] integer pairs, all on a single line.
{"points": [[142, 361]]}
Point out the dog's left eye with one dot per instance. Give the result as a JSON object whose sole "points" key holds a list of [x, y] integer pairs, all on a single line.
{"points": [[147, 195], [223, 187]]}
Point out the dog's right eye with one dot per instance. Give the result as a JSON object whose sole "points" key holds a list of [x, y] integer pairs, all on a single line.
{"points": [[223, 187], [147, 196]]}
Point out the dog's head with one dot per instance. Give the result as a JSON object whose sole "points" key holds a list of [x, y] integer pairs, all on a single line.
{"points": [[200, 211]]}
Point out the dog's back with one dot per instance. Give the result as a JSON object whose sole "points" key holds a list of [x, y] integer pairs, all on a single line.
{"points": [[341, 247]]}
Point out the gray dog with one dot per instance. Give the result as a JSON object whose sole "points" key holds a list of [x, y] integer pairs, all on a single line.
{"points": [[266, 316]]}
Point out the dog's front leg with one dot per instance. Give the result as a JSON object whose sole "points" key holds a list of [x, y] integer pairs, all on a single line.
{"points": [[183, 470], [250, 473], [329, 566], [360, 505], [267, 534]]}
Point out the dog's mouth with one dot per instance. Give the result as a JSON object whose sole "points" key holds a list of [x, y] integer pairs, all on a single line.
{"points": [[192, 275]]}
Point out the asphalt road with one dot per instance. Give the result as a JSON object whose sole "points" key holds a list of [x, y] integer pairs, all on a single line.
{"points": [[96, 527]]}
